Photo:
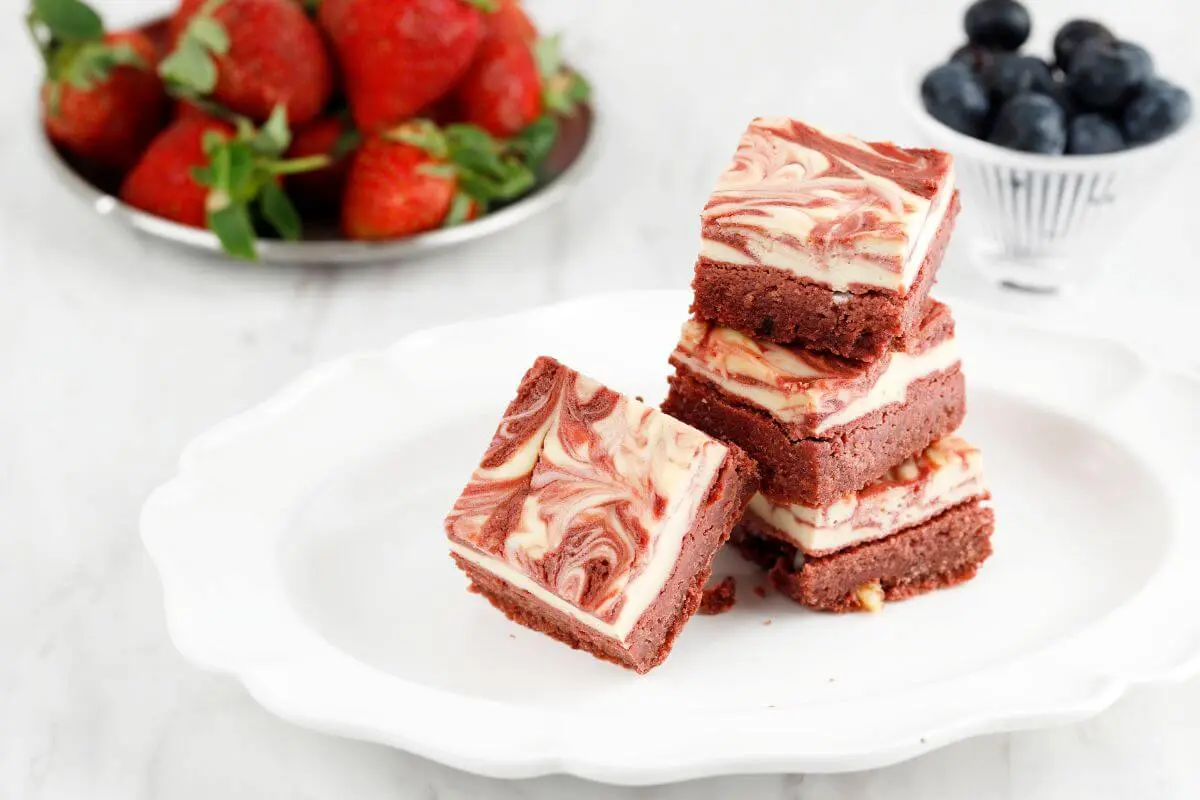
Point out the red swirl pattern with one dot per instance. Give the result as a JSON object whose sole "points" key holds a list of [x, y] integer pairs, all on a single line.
{"points": [[806, 189], [568, 492]]}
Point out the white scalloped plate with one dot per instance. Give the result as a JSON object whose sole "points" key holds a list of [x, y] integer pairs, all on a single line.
{"points": [[301, 550]]}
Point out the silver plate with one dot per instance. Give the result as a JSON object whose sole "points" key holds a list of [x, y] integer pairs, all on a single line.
{"points": [[563, 169]]}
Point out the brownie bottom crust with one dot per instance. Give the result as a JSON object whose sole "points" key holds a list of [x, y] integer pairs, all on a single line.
{"points": [[652, 638], [779, 306], [942, 552], [817, 471]]}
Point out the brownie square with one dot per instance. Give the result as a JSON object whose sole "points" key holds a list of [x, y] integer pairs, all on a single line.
{"points": [[824, 240], [938, 553], [947, 473], [594, 518], [819, 426]]}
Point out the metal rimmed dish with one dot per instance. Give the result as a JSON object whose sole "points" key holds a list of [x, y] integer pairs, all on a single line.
{"points": [[562, 170]]}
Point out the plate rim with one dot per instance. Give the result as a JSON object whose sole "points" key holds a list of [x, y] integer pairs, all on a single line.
{"points": [[288, 683]]}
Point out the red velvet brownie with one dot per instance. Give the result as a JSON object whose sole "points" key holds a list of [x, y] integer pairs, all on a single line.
{"points": [[925, 525], [819, 426], [594, 518], [824, 240]]}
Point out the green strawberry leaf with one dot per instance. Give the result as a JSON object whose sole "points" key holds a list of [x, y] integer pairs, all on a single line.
{"points": [[204, 176], [274, 137], [242, 181], [579, 90], [220, 168], [243, 173], [421, 133], [565, 91], [211, 141], [517, 181], [487, 6], [189, 68], [535, 142], [346, 144], [232, 224], [437, 170], [210, 34], [68, 20], [460, 210], [547, 53], [278, 210], [87, 65]]}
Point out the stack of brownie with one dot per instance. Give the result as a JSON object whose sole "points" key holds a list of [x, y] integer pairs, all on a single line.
{"points": [[816, 349]]}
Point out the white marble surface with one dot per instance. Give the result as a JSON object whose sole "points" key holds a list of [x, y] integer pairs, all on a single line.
{"points": [[115, 351]]}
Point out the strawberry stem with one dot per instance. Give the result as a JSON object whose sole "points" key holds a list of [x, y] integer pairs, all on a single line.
{"points": [[295, 166]]}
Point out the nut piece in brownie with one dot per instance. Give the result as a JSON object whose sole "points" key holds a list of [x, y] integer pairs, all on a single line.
{"points": [[923, 526], [594, 518], [819, 426], [824, 240]]}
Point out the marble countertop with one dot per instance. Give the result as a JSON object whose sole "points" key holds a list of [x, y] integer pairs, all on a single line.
{"points": [[116, 350]]}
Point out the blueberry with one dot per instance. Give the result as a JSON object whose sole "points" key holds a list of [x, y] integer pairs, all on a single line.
{"points": [[1075, 33], [1012, 75], [1104, 75], [997, 23], [955, 97], [1141, 58], [1092, 135], [1157, 110], [975, 57], [1033, 123]]}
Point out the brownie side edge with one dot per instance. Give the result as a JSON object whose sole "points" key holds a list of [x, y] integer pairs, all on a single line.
{"points": [[816, 471], [942, 552], [778, 306]]}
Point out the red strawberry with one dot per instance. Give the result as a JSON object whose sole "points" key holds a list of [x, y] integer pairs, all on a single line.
{"points": [[319, 193], [509, 21], [162, 183], [101, 100], [250, 56], [391, 191], [502, 91], [204, 172], [399, 56], [418, 177]]}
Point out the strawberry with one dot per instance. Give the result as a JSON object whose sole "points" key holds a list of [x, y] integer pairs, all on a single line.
{"points": [[319, 193], [399, 56], [509, 21], [392, 192], [419, 177], [205, 172], [502, 91], [101, 100], [250, 56], [162, 182]]}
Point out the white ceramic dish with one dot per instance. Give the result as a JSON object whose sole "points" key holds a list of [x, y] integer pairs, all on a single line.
{"points": [[1044, 223], [301, 551]]}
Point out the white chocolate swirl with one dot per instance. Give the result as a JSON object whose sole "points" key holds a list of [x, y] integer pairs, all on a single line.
{"points": [[586, 494], [947, 473], [832, 209]]}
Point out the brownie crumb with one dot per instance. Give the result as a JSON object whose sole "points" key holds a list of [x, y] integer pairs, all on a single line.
{"points": [[766, 622], [719, 598], [760, 591]]}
